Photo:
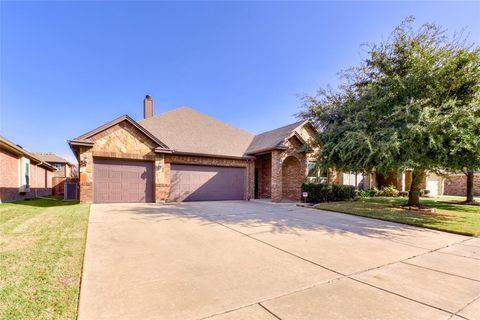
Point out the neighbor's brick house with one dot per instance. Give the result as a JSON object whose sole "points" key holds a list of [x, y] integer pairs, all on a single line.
{"points": [[184, 155], [455, 184], [452, 184], [64, 170], [22, 175]]}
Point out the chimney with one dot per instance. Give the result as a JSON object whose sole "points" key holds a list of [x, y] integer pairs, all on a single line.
{"points": [[147, 107]]}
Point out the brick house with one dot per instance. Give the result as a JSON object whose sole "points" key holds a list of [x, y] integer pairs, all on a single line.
{"points": [[64, 170], [455, 184], [183, 155], [22, 175], [451, 184]]}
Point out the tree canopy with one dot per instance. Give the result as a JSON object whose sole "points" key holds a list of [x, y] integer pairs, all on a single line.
{"points": [[413, 103]]}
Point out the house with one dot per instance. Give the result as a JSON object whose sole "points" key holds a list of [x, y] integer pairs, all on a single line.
{"points": [[64, 168], [184, 155], [452, 184], [22, 174]]}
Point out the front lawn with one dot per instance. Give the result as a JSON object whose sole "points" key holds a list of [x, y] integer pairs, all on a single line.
{"points": [[42, 243], [455, 218]]}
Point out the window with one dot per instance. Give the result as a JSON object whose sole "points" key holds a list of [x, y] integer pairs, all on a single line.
{"points": [[316, 173], [311, 169], [27, 175], [24, 175], [323, 175]]}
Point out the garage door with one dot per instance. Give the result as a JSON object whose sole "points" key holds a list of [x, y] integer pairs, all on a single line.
{"points": [[122, 181], [432, 186], [206, 183]]}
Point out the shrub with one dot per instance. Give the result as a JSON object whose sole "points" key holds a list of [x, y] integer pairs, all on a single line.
{"points": [[424, 192], [403, 193], [389, 191], [323, 192], [373, 192], [363, 194]]}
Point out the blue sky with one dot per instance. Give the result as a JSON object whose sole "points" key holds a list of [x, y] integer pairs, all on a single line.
{"points": [[68, 67]]}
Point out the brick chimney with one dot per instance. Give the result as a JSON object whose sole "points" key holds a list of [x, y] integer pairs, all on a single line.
{"points": [[147, 107]]}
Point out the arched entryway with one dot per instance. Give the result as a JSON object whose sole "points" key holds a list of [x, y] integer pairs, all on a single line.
{"points": [[291, 179]]}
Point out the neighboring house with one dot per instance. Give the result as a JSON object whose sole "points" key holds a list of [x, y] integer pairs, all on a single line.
{"points": [[454, 184], [22, 174], [64, 169], [183, 155]]}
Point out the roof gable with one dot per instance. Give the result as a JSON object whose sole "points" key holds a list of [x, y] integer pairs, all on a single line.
{"points": [[273, 139], [85, 138]]}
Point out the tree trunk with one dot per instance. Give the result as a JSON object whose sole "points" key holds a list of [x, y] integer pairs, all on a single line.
{"points": [[418, 176], [470, 177]]}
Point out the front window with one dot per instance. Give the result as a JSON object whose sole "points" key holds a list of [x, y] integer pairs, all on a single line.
{"points": [[27, 174], [311, 169], [323, 178], [316, 173]]}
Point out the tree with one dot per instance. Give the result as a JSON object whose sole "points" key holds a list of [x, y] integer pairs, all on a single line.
{"points": [[387, 113], [463, 141]]}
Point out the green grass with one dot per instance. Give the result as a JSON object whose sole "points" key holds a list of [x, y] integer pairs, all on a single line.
{"points": [[456, 218], [42, 243]]}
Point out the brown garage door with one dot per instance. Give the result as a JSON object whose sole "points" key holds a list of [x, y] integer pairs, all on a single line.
{"points": [[206, 183], [122, 181]]}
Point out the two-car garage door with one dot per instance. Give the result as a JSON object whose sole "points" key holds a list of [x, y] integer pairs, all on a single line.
{"points": [[198, 183], [133, 181]]}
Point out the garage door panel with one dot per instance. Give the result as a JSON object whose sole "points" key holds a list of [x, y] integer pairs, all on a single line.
{"points": [[123, 181], [206, 183]]}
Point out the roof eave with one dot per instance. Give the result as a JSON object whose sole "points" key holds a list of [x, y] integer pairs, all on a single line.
{"points": [[197, 154], [163, 150], [265, 150]]}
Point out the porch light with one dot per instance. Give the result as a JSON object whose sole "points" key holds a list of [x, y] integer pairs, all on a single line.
{"points": [[84, 161]]}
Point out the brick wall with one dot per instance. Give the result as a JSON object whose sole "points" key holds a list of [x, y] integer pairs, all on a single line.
{"points": [[294, 176], [291, 179], [263, 165], [9, 180], [456, 185]]}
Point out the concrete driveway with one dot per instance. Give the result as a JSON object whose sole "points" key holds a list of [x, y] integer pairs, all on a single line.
{"points": [[254, 260]]}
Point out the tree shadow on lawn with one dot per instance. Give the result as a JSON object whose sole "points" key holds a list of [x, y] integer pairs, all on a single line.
{"points": [[254, 218], [442, 205]]}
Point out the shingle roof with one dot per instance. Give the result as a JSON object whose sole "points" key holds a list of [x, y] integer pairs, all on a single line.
{"points": [[49, 157], [18, 150], [271, 139], [186, 130]]}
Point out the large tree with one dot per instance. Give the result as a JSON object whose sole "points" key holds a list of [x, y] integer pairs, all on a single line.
{"points": [[387, 113]]}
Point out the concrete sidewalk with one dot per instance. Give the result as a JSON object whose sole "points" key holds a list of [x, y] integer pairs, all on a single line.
{"points": [[251, 260]]}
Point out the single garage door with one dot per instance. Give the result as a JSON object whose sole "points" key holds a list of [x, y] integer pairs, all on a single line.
{"points": [[122, 181], [206, 183]]}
